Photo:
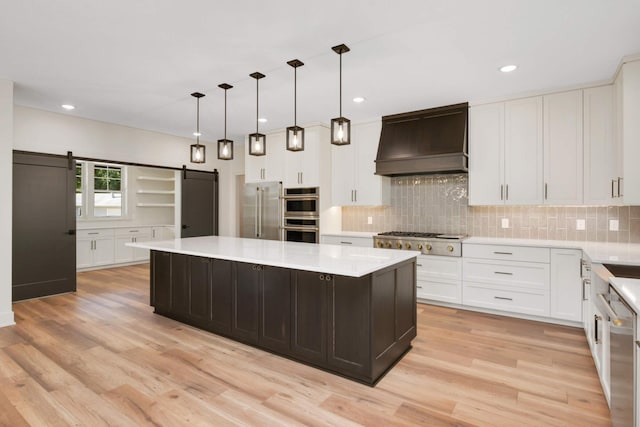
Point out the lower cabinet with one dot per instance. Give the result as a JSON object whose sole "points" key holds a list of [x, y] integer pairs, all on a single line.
{"points": [[439, 278], [124, 253], [94, 248], [320, 319], [566, 289]]}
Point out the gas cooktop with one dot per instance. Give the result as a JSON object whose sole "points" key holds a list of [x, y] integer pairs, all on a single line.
{"points": [[427, 243]]}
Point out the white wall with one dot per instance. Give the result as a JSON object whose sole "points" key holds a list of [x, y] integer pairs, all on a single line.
{"points": [[47, 132], [6, 189]]}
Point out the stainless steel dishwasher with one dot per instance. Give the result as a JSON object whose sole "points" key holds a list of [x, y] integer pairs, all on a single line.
{"points": [[622, 343]]}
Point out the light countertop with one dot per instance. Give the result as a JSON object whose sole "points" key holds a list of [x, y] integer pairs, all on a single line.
{"points": [[107, 227], [598, 252], [629, 289], [332, 259]]}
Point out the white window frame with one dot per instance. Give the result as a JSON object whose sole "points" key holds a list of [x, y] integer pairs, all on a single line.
{"points": [[88, 192]]}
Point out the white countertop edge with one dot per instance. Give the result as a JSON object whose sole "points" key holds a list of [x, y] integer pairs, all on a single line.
{"points": [[108, 227], [362, 234], [629, 289], [341, 266]]}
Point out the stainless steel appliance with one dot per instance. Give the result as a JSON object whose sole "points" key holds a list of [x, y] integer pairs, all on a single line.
{"points": [[427, 243], [301, 202], [303, 229], [262, 211]]}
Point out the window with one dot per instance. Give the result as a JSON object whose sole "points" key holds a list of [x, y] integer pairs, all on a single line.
{"points": [[107, 195], [100, 190]]}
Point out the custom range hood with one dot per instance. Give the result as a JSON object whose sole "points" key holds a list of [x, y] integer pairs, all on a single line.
{"points": [[424, 142]]}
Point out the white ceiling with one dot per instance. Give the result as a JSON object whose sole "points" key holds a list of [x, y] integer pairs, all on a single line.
{"points": [[136, 62]]}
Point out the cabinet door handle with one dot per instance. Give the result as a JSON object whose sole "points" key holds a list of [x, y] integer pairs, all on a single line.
{"points": [[327, 278], [346, 243], [92, 233], [71, 232], [419, 287], [596, 319], [322, 277], [134, 231], [153, 234], [504, 298], [506, 192], [620, 186], [613, 183], [501, 191], [503, 272], [546, 191], [355, 195], [585, 282], [503, 253], [419, 265]]}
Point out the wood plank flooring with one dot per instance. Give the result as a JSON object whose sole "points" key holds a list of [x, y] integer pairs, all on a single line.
{"points": [[101, 357]]}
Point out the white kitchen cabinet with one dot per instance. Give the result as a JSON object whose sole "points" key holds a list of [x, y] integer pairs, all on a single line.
{"points": [[269, 167], [123, 253], [506, 153], [439, 278], [566, 284], [303, 168], [486, 154], [563, 158], [353, 178], [628, 109], [347, 240], [601, 149], [162, 233], [94, 248]]}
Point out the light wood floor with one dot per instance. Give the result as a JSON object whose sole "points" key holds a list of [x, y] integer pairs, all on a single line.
{"points": [[101, 357]]}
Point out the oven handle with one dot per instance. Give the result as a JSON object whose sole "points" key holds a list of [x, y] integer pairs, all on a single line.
{"points": [[301, 197], [612, 314], [300, 228]]}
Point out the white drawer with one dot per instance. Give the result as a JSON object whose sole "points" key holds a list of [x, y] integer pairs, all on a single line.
{"points": [[366, 242], [439, 268], [478, 295], [505, 252], [94, 233], [440, 291], [509, 274], [133, 232]]}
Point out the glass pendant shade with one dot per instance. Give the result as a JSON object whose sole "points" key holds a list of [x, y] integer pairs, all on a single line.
{"points": [[225, 146], [257, 144], [225, 149], [340, 126], [197, 150], [295, 134], [197, 153], [340, 131], [295, 138], [257, 140]]}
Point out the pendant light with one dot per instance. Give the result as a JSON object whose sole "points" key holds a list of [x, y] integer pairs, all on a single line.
{"points": [[257, 141], [295, 134], [340, 126], [197, 150], [225, 146]]}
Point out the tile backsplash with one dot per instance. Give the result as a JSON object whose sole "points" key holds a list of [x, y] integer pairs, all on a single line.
{"points": [[439, 204]]}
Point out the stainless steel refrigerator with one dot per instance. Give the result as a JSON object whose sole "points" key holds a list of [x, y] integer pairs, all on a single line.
{"points": [[262, 211]]}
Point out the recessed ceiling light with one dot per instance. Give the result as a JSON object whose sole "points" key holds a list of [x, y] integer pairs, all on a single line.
{"points": [[358, 99], [197, 134], [508, 68], [68, 107], [262, 120]]}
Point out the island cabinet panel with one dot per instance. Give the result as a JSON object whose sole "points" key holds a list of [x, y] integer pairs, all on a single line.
{"points": [[310, 316], [275, 309], [349, 325], [358, 327], [221, 284], [246, 299]]}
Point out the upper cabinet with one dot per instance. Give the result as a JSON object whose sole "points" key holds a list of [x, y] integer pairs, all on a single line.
{"points": [[269, 167], [563, 157], [628, 130], [505, 153], [303, 168], [353, 178], [601, 150]]}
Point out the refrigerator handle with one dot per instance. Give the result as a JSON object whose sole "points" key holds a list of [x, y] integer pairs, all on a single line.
{"points": [[261, 211], [257, 213]]}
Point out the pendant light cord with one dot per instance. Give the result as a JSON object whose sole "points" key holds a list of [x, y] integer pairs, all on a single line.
{"points": [[257, 100], [295, 96], [198, 121], [225, 115], [340, 84]]}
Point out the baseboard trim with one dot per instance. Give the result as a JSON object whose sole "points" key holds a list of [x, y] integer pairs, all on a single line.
{"points": [[6, 319]]}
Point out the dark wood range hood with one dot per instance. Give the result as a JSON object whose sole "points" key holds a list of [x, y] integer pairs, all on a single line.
{"points": [[429, 141]]}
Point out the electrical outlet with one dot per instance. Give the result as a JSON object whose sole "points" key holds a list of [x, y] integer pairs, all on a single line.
{"points": [[505, 222], [613, 225], [581, 224], [369, 220]]}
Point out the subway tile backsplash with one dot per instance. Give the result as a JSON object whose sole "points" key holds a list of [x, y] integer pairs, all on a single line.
{"points": [[439, 204]]}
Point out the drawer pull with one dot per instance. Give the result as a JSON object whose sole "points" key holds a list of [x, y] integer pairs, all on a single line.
{"points": [[503, 253], [346, 243], [504, 273], [94, 233], [419, 287], [504, 298], [419, 265], [134, 231]]}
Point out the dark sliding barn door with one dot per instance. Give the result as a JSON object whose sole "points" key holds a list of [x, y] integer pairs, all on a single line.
{"points": [[44, 223], [199, 203]]}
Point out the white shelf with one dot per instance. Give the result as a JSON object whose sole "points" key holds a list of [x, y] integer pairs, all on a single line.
{"points": [[155, 205], [156, 192], [155, 178]]}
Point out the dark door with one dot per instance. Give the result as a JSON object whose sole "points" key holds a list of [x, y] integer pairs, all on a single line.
{"points": [[275, 309], [199, 203], [309, 340], [44, 223], [246, 292]]}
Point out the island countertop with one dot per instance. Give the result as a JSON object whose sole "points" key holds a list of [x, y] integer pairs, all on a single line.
{"points": [[321, 258]]}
